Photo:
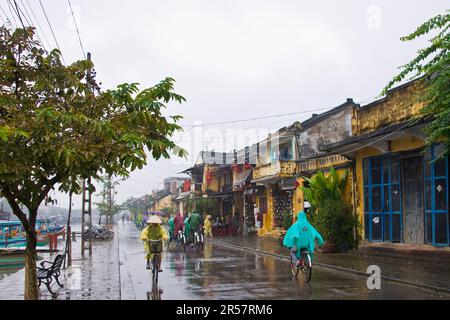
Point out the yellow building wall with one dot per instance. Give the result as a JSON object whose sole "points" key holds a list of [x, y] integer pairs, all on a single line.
{"points": [[165, 202], [267, 217]]}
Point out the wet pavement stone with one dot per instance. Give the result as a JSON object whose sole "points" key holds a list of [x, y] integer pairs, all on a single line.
{"points": [[432, 274], [89, 278]]}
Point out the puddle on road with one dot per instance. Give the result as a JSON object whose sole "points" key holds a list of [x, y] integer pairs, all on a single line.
{"points": [[73, 278]]}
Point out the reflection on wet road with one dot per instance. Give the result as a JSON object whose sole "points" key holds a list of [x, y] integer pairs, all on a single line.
{"points": [[224, 273]]}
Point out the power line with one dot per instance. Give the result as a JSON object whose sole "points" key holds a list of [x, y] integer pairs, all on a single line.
{"points": [[51, 28], [12, 13], [31, 22], [78, 31], [19, 11], [38, 23], [8, 21], [259, 118]]}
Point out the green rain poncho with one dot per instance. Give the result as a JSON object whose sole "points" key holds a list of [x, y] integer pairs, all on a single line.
{"points": [[187, 226], [171, 226], [302, 235], [195, 220]]}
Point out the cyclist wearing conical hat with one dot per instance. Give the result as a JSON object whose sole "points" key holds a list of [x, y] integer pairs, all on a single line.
{"points": [[153, 231]]}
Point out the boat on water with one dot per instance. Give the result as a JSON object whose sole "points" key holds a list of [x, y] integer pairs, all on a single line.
{"points": [[12, 234]]}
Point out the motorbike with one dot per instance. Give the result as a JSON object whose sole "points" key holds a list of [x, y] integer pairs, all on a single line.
{"points": [[98, 232]]}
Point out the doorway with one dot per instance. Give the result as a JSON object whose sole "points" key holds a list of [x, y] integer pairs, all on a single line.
{"points": [[413, 214]]}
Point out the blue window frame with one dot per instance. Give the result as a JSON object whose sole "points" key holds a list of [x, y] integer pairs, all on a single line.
{"points": [[382, 199], [436, 197]]}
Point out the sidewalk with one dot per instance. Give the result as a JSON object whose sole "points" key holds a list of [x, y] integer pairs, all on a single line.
{"points": [[433, 275], [91, 278]]}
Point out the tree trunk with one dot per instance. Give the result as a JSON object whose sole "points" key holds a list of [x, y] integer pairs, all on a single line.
{"points": [[31, 287]]}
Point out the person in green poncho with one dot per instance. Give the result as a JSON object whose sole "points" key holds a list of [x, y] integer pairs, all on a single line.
{"points": [[195, 221], [171, 228], [301, 236], [187, 227]]}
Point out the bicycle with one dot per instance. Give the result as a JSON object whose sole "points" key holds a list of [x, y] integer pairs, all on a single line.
{"points": [[304, 263], [181, 240], [155, 247], [198, 241]]}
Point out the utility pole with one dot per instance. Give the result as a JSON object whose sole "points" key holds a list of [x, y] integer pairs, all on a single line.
{"points": [[86, 218], [86, 213], [109, 202], [68, 250]]}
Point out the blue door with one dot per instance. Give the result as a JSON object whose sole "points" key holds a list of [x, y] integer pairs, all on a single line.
{"points": [[436, 197], [382, 199]]}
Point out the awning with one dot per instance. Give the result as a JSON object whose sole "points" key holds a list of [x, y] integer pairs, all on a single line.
{"points": [[183, 195], [288, 184], [243, 181], [267, 180], [378, 139]]}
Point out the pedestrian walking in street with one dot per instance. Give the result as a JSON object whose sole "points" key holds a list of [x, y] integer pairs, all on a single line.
{"points": [[207, 226], [257, 216], [153, 231]]}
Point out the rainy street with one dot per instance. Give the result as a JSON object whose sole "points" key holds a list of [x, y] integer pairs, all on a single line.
{"points": [[223, 273]]}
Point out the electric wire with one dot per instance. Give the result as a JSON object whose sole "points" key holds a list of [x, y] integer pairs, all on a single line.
{"points": [[78, 31], [31, 23], [38, 23], [12, 13], [20, 13], [258, 118], [51, 28], [8, 21]]}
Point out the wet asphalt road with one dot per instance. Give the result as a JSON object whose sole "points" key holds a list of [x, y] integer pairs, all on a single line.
{"points": [[223, 273]]}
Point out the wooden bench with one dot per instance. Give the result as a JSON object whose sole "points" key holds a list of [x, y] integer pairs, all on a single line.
{"points": [[47, 274]]}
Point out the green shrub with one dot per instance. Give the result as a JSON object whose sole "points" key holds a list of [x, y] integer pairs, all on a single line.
{"points": [[335, 222], [287, 219]]}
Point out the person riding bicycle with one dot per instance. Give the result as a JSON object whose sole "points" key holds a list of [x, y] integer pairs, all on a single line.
{"points": [[187, 227], [178, 224], [195, 222], [153, 231], [301, 236], [171, 222]]}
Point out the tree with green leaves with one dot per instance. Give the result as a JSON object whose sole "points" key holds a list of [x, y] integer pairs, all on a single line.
{"points": [[433, 63], [57, 127]]}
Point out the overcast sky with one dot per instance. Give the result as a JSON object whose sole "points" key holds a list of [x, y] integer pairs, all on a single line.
{"points": [[236, 60]]}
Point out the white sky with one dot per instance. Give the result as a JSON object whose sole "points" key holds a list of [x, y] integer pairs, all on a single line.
{"points": [[239, 59]]}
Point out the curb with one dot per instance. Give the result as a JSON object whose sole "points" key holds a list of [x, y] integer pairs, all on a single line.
{"points": [[332, 267]]}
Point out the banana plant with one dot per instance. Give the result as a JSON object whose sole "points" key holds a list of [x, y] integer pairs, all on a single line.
{"points": [[322, 188]]}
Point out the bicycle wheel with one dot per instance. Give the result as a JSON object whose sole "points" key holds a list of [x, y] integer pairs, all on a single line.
{"points": [[202, 241], [294, 268], [196, 243], [183, 243], [155, 270], [307, 266]]}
